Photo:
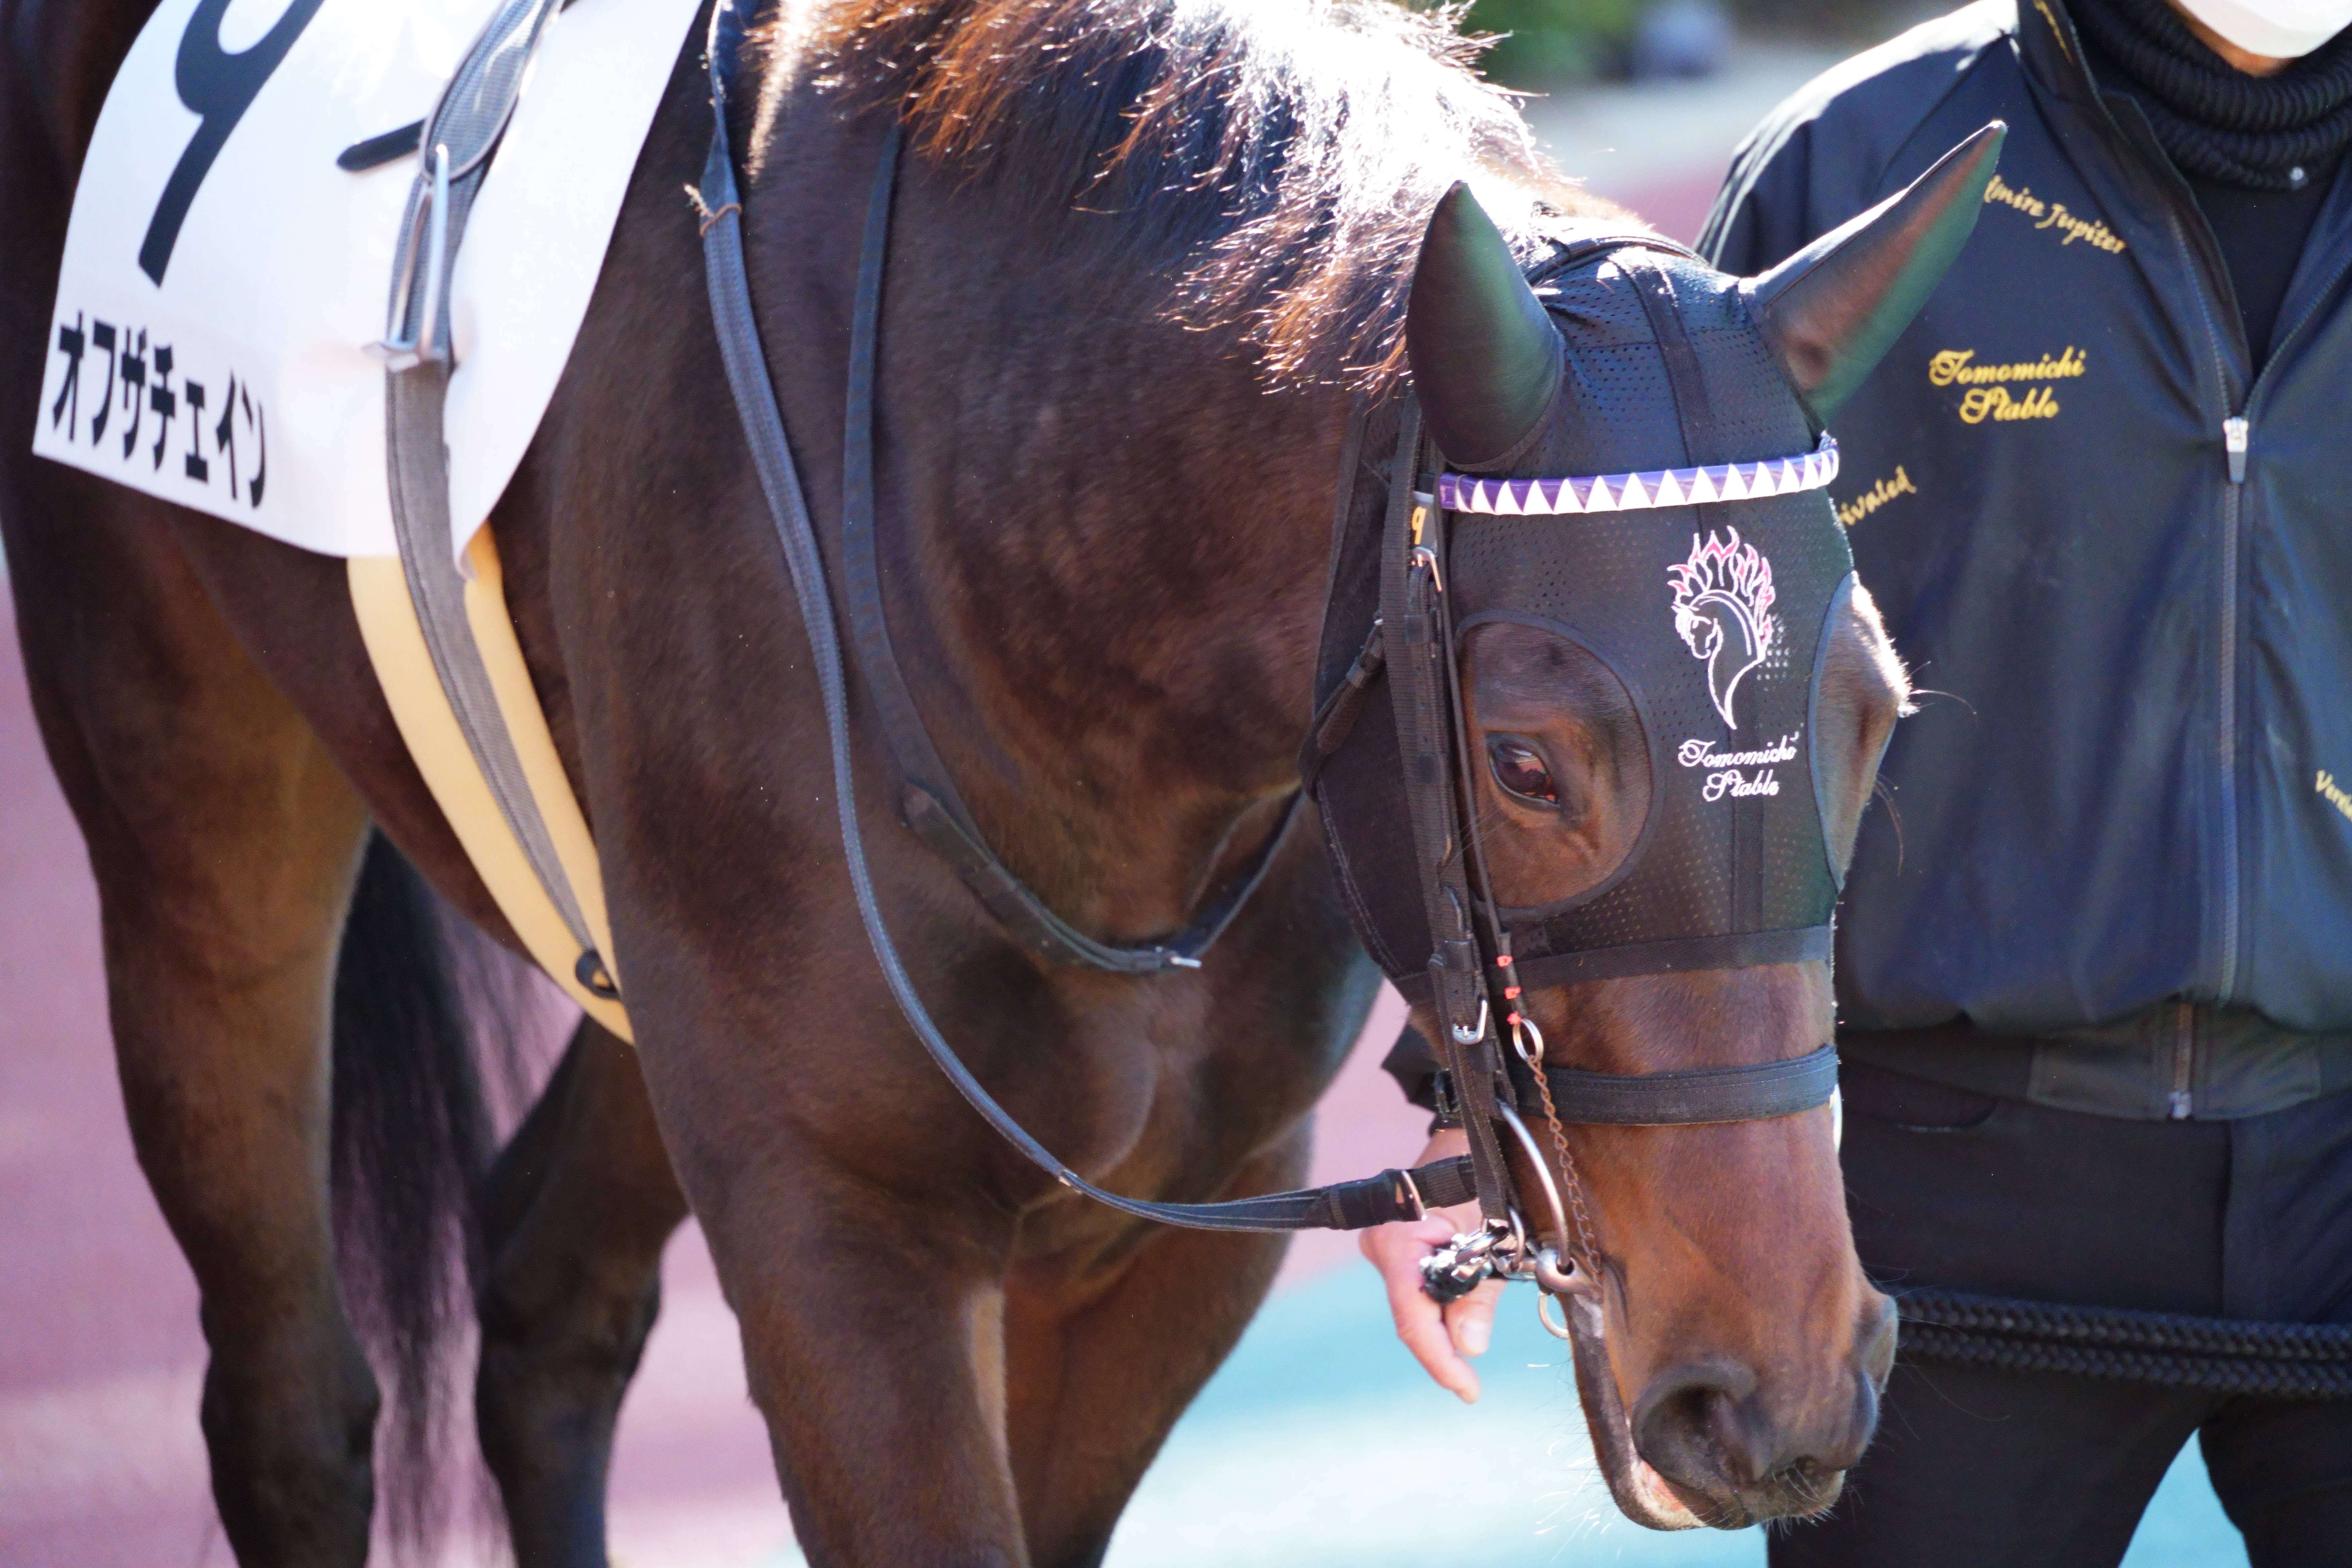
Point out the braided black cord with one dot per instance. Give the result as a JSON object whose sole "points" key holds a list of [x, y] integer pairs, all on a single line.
{"points": [[2213, 1355]]}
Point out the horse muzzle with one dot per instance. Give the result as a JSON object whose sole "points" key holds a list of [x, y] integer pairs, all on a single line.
{"points": [[1702, 1446]]}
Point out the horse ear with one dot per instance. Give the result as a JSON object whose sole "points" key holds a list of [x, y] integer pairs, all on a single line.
{"points": [[1485, 358], [1832, 310]]}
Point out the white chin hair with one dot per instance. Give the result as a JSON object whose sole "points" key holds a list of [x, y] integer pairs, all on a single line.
{"points": [[1665, 1508], [2278, 29]]}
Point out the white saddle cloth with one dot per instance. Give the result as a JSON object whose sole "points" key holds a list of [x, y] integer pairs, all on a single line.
{"points": [[237, 381]]}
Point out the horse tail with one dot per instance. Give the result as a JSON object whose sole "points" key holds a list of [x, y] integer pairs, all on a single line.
{"points": [[412, 1140]]}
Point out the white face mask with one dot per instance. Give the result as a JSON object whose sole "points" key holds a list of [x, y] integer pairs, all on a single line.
{"points": [[2281, 29]]}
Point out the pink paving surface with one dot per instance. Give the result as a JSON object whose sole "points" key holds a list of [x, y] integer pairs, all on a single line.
{"points": [[102, 1464], [1677, 206]]}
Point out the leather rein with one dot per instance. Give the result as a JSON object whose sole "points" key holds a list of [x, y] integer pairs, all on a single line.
{"points": [[934, 810]]}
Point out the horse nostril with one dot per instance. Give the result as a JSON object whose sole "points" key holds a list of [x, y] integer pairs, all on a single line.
{"points": [[1841, 1446], [1844, 1451], [1699, 1428], [1709, 1429], [1746, 1458], [1873, 1341]]}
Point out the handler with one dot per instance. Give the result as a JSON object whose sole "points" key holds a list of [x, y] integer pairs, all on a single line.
{"points": [[2096, 965]]}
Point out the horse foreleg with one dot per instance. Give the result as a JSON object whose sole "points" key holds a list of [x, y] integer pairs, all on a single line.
{"points": [[873, 1340], [576, 1210], [225, 843], [1096, 1386]]}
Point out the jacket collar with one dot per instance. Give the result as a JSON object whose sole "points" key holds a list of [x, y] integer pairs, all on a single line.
{"points": [[2052, 51]]}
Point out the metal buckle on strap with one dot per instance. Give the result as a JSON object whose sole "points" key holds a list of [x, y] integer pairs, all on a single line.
{"points": [[411, 341], [1409, 1190], [1422, 555]]}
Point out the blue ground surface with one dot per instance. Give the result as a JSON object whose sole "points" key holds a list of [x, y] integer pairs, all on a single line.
{"points": [[1320, 1442]]}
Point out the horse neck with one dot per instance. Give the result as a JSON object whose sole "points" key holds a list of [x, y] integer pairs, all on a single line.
{"points": [[1112, 536], [73, 48]]}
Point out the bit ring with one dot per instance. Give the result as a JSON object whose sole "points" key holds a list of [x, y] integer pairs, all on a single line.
{"points": [[1528, 1147]]}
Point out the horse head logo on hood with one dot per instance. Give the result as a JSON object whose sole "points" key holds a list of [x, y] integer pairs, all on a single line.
{"points": [[1723, 602]]}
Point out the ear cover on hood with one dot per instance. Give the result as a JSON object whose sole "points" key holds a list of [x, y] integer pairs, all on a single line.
{"points": [[1833, 309], [1486, 360]]}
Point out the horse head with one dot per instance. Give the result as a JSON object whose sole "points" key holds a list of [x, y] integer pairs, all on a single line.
{"points": [[1645, 690]]}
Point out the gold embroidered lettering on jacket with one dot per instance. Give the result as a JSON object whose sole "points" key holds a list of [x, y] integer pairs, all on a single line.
{"points": [[2333, 793], [1984, 403], [2025, 201], [2091, 231], [1954, 367], [1876, 496], [2056, 217]]}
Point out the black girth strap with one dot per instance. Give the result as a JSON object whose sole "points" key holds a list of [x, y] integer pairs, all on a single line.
{"points": [[932, 805], [1349, 1206]]}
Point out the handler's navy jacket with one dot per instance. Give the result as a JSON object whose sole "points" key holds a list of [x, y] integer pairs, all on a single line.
{"points": [[2130, 778]]}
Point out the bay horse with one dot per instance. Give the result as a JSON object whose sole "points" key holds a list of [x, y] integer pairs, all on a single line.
{"points": [[1147, 252]]}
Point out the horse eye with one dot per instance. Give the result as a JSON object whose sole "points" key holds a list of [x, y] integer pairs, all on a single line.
{"points": [[1519, 769]]}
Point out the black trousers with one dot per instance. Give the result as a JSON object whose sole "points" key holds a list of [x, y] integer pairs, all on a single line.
{"points": [[1980, 1468]]}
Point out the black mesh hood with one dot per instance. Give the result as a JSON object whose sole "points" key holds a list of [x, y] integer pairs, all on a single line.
{"points": [[1713, 615], [1734, 841]]}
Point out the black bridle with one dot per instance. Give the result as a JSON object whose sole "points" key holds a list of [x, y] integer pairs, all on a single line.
{"points": [[1491, 1091]]}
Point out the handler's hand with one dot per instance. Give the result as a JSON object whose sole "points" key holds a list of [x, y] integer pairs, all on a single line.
{"points": [[1439, 1338]]}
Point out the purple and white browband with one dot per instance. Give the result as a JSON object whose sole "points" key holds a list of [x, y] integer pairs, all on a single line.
{"points": [[1635, 492]]}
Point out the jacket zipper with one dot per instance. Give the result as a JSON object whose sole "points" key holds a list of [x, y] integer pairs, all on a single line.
{"points": [[2182, 1103], [2237, 442], [2236, 432], [2236, 436]]}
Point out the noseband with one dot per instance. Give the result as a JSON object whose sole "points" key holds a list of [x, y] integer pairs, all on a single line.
{"points": [[1492, 1095]]}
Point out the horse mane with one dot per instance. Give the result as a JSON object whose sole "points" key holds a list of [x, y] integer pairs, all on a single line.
{"points": [[1276, 160]]}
